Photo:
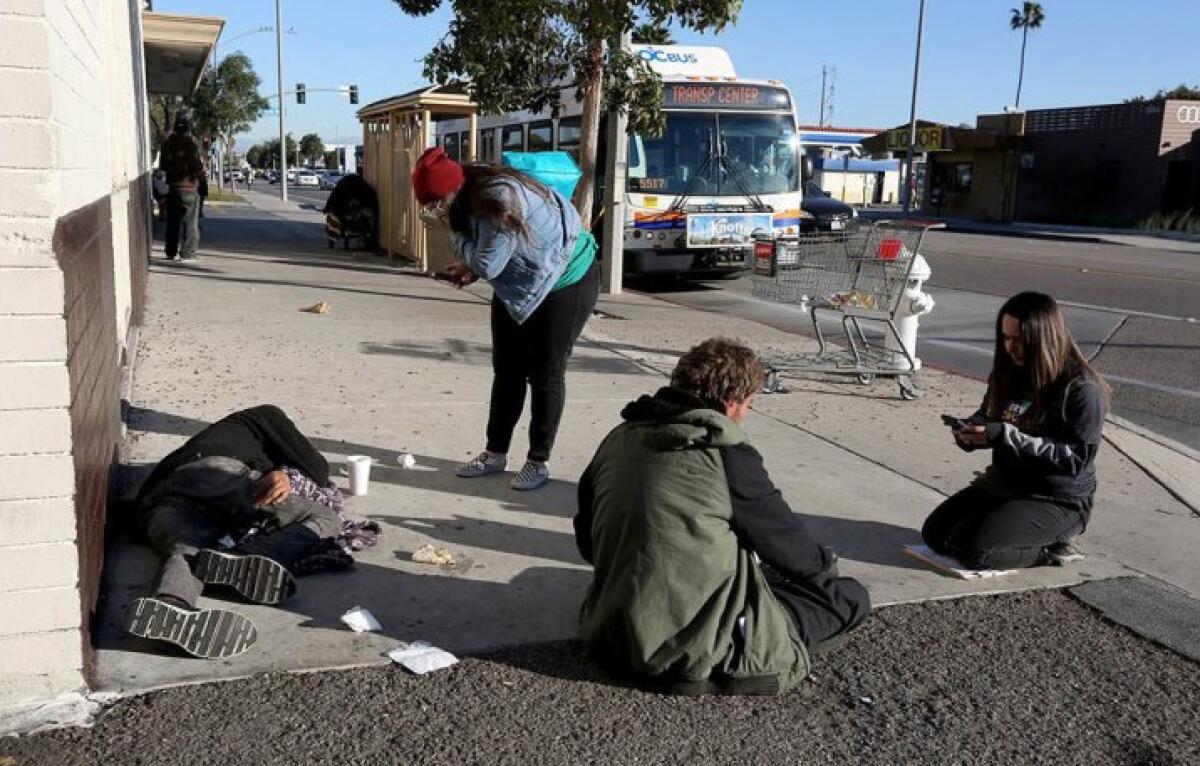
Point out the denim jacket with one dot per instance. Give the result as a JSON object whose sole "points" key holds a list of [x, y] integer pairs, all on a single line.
{"points": [[522, 269]]}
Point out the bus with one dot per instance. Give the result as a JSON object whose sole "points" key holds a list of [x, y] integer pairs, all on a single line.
{"points": [[726, 170]]}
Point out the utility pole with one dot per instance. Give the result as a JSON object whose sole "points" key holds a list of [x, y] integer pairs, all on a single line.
{"points": [[612, 265], [821, 118], [906, 192], [279, 75]]}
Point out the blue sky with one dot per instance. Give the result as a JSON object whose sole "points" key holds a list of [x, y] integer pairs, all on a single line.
{"points": [[1088, 51]]}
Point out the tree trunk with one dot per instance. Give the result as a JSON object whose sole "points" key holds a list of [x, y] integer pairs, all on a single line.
{"points": [[593, 96], [1021, 71]]}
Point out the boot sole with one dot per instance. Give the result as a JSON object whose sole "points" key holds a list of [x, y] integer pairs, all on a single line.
{"points": [[257, 579], [209, 634]]}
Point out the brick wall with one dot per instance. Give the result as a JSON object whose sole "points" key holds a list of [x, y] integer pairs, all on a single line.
{"points": [[68, 148]]}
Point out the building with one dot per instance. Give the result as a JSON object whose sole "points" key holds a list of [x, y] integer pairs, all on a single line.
{"points": [[839, 166], [1109, 165], [74, 248]]}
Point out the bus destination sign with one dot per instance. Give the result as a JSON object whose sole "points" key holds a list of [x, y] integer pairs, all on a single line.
{"points": [[703, 95]]}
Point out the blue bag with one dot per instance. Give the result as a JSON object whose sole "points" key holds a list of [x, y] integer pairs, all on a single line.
{"points": [[555, 169]]}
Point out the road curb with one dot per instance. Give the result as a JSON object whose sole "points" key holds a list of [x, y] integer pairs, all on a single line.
{"points": [[1173, 466]]}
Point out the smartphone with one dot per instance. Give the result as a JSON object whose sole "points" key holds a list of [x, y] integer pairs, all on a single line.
{"points": [[443, 276], [952, 421]]}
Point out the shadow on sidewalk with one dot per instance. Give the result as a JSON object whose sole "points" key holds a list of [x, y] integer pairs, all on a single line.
{"points": [[871, 542], [480, 354], [493, 535]]}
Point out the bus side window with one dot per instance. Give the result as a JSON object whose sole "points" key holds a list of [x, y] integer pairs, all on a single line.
{"points": [[514, 139], [569, 132], [487, 145], [541, 136]]}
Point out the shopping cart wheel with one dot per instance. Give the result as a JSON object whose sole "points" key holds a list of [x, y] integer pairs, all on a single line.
{"points": [[908, 391], [866, 378], [771, 384]]}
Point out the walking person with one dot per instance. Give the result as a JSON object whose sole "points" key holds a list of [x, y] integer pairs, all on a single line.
{"points": [[1042, 417], [185, 172], [529, 242]]}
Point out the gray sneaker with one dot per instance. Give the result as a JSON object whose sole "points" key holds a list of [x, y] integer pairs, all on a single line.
{"points": [[1061, 554], [257, 579], [481, 465], [210, 634], [531, 476]]}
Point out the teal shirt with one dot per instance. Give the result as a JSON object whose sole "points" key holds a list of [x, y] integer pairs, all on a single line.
{"points": [[582, 259]]}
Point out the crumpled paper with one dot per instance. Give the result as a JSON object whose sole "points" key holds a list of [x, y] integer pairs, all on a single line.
{"points": [[427, 554], [317, 308], [420, 657], [360, 620]]}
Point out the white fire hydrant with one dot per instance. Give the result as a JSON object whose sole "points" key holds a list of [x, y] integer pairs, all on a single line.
{"points": [[913, 305]]}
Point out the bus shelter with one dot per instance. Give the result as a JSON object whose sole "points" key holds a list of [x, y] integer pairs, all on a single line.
{"points": [[396, 131]]}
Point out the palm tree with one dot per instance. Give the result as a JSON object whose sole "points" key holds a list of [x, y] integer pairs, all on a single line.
{"points": [[1030, 16]]}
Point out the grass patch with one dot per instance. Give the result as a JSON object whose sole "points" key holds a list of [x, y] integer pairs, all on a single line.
{"points": [[1183, 221], [216, 195]]}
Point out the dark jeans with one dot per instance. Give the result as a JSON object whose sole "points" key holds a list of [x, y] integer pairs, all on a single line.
{"points": [[823, 606], [205, 500], [985, 528], [535, 354], [183, 210]]}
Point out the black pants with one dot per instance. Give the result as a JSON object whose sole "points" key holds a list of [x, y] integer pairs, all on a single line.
{"points": [[183, 232], [986, 529], [535, 354], [209, 498], [822, 607]]}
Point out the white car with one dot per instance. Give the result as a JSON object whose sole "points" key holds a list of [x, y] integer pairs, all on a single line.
{"points": [[330, 178], [307, 178]]}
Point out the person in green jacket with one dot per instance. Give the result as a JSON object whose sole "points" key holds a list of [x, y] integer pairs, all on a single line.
{"points": [[705, 580]]}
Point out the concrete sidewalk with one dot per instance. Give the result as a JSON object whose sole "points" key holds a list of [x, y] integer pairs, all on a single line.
{"points": [[402, 362]]}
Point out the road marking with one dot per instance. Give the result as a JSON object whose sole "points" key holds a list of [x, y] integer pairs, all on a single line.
{"points": [[1131, 312], [1108, 272], [1161, 388]]}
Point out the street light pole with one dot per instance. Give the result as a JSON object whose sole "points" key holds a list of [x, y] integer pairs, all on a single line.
{"points": [[279, 75], [912, 117]]}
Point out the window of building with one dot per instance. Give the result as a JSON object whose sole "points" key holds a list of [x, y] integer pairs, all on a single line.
{"points": [[487, 145], [450, 145], [541, 136], [962, 176], [569, 131], [514, 139], [464, 146]]}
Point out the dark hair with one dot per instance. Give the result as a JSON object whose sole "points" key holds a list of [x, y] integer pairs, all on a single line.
{"points": [[717, 371], [1051, 357], [483, 195]]}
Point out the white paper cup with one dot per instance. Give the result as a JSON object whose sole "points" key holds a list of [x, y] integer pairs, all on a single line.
{"points": [[360, 473]]}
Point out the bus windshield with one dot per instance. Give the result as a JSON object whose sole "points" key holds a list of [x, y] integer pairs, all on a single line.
{"points": [[762, 150]]}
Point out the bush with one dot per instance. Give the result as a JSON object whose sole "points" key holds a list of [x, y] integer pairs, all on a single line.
{"points": [[1185, 221]]}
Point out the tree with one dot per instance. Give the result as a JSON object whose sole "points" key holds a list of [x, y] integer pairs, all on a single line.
{"points": [[520, 54], [311, 147], [652, 33], [331, 159], [227, 102], [254, 156], [1029, 16], [1183, 90]]}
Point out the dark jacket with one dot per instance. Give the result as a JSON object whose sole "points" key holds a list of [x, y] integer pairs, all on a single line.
{"points": [[181, 161], [674, 511], [263, 438], [1055, 455]]}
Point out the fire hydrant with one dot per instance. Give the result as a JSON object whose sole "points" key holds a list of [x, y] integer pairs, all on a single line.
{"points": [[913, 305]]}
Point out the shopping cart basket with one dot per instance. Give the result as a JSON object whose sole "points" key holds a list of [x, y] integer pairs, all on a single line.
{"points": [[858, 274]]}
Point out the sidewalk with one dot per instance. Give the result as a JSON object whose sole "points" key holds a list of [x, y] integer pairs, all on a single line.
{"points": [[402, 362]]}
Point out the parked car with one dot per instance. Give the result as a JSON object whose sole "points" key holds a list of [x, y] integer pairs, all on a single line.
{"points": [[291, 176], [828, 214], [307, 178], [330, 178], [234, 176], [273, 177]]}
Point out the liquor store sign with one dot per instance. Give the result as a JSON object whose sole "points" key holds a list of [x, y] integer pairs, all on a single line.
{"points": [[928, 139]]}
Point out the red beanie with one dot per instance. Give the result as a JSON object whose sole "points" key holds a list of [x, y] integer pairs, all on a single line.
{"points": [[436, 176]]}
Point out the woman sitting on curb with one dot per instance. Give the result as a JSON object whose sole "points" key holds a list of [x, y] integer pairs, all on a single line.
{"points": [[1042, 417], [529, 243]]}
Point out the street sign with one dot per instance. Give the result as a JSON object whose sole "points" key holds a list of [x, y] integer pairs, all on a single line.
{"points": [[929, 139]]}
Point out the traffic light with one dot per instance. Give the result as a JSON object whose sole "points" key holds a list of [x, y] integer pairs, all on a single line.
{"points": [[353, 94], [301, 96]]}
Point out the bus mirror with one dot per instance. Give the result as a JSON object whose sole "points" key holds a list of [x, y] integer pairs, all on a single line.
{"points": [[806, 168]]}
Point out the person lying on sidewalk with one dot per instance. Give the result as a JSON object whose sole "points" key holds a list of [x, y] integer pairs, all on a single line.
{"points": [[1042, 417], [530, 245], [705, 580], [235, 475]]}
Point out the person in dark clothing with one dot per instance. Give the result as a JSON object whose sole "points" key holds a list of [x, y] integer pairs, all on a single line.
{"points": [[705, 580], [1042, 417], [225, 481], [185, 171], [354, 207]]}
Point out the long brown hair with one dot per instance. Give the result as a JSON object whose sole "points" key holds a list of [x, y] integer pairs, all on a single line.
{"points": [[477, 198], [1051, 358]]}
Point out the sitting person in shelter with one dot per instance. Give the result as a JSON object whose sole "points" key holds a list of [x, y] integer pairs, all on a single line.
{"points": [[705, 580], [1042, 417], [252, 470]]}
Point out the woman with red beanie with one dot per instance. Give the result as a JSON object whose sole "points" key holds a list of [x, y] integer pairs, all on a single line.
{"points": [[529, 243]]}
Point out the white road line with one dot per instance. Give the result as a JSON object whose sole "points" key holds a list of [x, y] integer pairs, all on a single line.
{"points": [[1186, 392], [1131, 312]]}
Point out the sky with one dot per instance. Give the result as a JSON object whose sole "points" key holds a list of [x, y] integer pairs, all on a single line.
{"points": [[1087, 52]]}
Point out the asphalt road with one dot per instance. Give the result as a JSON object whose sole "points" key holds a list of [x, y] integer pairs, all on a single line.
{"points": [[1014, 679], [1132, 309]]}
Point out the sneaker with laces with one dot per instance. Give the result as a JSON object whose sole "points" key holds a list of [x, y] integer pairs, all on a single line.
{"points": [[1061, 554], [531, 476], [481, 465]]}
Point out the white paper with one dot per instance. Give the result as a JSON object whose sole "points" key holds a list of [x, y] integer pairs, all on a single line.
{"points": [[406, 460], [360, 620], [950, 566], [226, 542], [421, 658]]}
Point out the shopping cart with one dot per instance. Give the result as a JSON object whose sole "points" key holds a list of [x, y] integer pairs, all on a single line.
{"points": [[858, 274]]}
